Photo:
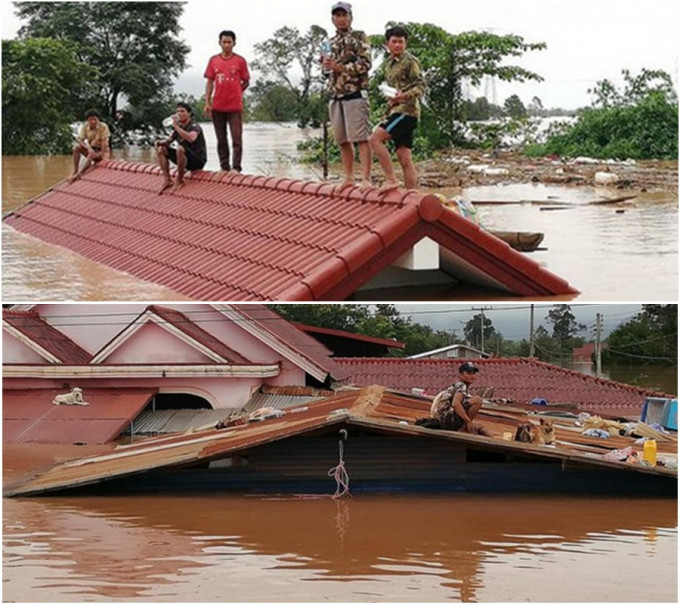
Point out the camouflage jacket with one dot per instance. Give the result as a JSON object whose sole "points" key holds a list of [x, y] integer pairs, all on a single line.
{"points": [[406, 75], [353, 50]]}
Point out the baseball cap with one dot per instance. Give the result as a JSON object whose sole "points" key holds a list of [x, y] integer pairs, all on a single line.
{"points": [[468, 367], [342, 6]]}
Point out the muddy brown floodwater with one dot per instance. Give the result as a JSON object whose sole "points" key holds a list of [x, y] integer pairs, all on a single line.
{"points": [[614, 253], [219, 547]]}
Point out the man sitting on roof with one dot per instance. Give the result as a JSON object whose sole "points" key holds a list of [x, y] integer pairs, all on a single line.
{"points": [[185, 147], [455, 408]]}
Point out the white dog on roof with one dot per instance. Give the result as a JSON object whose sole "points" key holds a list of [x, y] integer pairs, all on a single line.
{"points": [[75, 397]]}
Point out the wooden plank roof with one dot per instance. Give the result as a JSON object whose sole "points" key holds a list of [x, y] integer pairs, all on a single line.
{"points": [[238, 237]]}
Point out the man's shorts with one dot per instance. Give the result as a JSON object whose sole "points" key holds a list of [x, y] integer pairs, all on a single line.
{"points": [[350, 119], [400, 127], [452, 421], [194, 162]]}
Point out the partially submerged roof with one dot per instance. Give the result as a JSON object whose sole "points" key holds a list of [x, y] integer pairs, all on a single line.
{"points": [[51, 344], [236, 237], [30, 416], [373, 408], [516, 379]]}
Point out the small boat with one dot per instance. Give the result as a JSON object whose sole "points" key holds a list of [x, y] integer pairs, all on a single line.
{"points": [[523, 241]]}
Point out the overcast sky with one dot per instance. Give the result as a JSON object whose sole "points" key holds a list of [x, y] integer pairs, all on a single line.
{"points": [[513, 320], [588, 40]]}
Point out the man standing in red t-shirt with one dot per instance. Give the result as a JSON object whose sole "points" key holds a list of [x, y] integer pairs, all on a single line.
{"points": [[227, 77]]}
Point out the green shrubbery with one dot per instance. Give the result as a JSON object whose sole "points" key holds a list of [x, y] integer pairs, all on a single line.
{"points": [[640, 123]]}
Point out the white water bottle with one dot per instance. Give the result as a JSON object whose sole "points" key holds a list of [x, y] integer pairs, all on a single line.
{"points": [[168, 121], [326, 52]]}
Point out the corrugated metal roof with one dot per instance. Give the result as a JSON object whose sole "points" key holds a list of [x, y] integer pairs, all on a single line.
{"points": [[374, 408], [519, 380], [238, 237], [30, 416], [37, 330], [283, 398], [175, 421]]}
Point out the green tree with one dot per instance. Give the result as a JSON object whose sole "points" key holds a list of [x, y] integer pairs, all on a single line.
{"points": [[291, 59], [565, 330], [514, 108], [272, 102], [40, 80], [134, 47], [651, 337], [473, 330], [382, 322], [449, 61]]}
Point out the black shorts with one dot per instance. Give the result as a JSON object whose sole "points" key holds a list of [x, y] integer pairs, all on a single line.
{"points": [[400, 127], [194, 162]]}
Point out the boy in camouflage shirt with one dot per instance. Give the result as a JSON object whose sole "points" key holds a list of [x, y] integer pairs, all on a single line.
{"points": [[347, 68], [403, 73]]}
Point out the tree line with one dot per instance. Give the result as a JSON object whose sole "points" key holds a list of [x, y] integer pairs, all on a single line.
{"points": [[123, 58], [650, 338]]}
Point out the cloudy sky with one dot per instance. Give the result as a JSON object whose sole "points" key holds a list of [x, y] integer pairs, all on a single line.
{"points": [[588, 40], [512, 320]]}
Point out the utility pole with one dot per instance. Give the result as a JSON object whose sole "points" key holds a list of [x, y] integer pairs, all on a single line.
{"points": [[531, 332], [481, 310], [598, 345], [482, 330]]}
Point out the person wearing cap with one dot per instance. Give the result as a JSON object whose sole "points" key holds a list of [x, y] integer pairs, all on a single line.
{"points": [[347, 69], [455, 408], [404, 74]]}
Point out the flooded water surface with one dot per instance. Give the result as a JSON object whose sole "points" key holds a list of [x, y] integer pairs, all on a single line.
{"points": [[363, 549], [610, 253]]}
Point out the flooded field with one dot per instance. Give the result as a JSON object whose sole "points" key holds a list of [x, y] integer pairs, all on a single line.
{"points": [[610, 253]]}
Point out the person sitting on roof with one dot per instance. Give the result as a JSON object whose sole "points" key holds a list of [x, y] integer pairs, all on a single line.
{"points": [[190, 152], [92, 142], [455, 408]]}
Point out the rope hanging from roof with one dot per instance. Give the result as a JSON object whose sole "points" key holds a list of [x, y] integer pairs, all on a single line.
{"points": [[339, 472]]}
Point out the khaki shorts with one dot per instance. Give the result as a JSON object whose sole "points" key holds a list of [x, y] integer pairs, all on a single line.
{"points": [[350, 120]]}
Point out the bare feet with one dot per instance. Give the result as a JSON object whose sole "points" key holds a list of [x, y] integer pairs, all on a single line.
{"points": [[344, 185], [178, 185], [388, 186], [166, 185], [366, 185], [73, 177]]}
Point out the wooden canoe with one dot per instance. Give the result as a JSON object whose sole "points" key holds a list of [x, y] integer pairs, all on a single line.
{"points": [[524, 241]]}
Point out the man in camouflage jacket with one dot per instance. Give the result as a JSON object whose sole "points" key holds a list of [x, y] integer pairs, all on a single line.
{"points": [[347, 70], [404, 75]]}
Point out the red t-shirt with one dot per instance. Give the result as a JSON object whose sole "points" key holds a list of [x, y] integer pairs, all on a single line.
{"points": [[227, 75]]}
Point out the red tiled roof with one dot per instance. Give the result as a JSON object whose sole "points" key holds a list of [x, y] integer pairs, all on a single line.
{"points": [[238, 237], [180, 321], [283, 330], [28, 415], [38, 331], [518, 379]]}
